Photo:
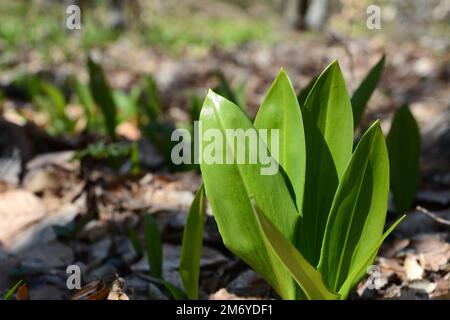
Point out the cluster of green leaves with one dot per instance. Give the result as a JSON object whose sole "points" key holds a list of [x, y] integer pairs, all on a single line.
{"points": [[50, 100], [403, 140], [312, 229], [103, 107], [113, 153]]}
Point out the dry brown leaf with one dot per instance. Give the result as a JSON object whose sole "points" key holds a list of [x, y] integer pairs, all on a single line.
{"points": [[18, 209], [22, 293], [435, 250], [95, 290], [223, 294]]}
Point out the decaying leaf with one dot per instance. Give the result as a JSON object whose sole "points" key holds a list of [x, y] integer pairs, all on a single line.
{"points": [[95, 290]]}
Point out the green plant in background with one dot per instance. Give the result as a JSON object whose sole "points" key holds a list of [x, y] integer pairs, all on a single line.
{"points": [[234, 94], [154, 249], [149, 106], [113, 153], [312, 229], [87, 102], [127, 103], [403, 142], [191, 249], [153, 124], [52, 100], [190, 253], [150, 118], [154, 246], [103, 97]]}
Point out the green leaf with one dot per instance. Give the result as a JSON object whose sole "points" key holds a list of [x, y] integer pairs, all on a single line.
{"points": [[191, 250], [403, 144], [134, 159], [308, 278], [149, 102], [358, 213], [328, 123], [11, 291], [86, 100], [126, 103], [229, 188], [154, 246], [304, 93], [363, 93], [102, 94], [280, 110], [360, 268], [56, 97], [54, 101]]}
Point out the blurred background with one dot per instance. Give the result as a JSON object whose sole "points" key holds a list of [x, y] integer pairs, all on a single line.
{"points": [[62, 165]]}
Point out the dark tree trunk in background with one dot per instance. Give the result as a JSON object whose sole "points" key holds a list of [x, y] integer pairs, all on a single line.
{"points": [[294, 13], [317, 14]]}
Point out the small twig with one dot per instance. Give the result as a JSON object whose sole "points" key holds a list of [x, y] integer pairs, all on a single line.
{"points": [[433, 216]]}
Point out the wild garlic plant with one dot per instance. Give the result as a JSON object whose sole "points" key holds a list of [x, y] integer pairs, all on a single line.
{"points": [[314, 227]]}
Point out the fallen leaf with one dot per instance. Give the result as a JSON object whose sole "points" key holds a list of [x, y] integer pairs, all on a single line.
{"points": [[22, 293], [423, 285], [95, 290], [413, 266], [18, 209]]}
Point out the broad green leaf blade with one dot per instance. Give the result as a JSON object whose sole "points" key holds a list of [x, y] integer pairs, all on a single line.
{"points": [[363, 93], [102, 94], [359, 208], [153, 245], [328, 122], [12, 290], [191, 250], [229, 188], [403, 144], [304, 93], [280, 111], [308, 278], [360, 268]]}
